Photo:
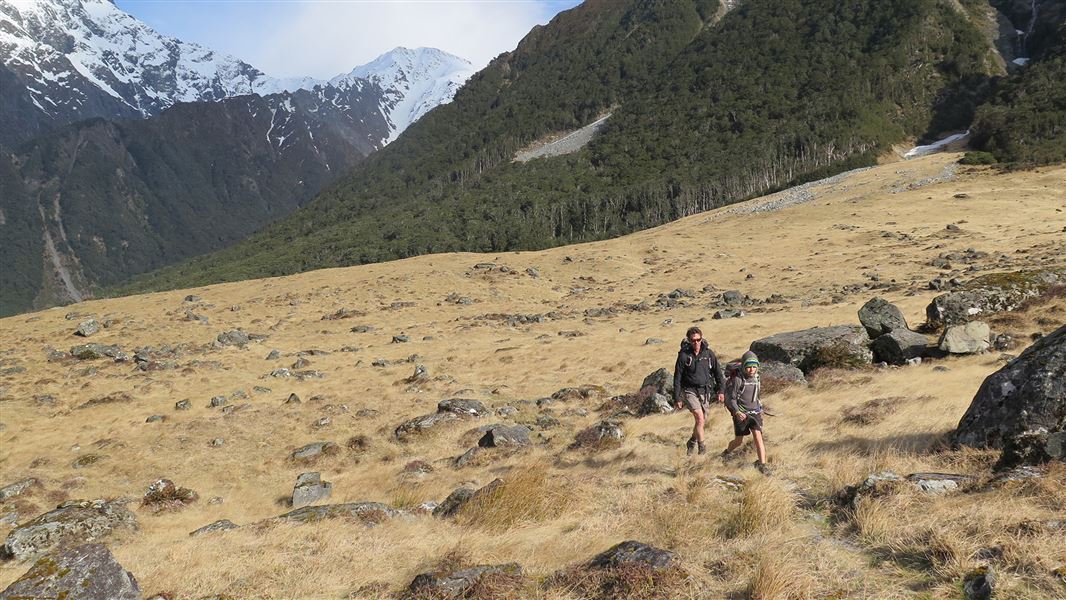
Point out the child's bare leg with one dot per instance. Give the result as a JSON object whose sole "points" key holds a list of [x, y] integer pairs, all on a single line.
{"points": [[735, 443], [759, 447]]}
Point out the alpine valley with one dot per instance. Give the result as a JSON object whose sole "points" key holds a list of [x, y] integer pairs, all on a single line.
{"points": [[123, 150]]}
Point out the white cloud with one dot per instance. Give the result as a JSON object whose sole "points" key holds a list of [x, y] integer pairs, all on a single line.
{"points": [[324, 38]]}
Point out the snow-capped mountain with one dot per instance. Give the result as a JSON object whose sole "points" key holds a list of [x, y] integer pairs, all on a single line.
{"points": [[413, 82], [78, 59]]}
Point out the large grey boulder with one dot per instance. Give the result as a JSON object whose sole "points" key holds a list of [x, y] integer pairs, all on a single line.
{"points": [[463, 407], [87, 328], [968, 338], [309, 489], [771, 370], [14, 489], [992, 293], [505, 436], [633, 553], [809, 349], [455, 584], [88, 572], [879, 316], [73, 522], [898, 346], [1021, 408], [662, 382]]}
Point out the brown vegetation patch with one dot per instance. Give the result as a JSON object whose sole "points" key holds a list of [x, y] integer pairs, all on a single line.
{"points": [[873, 411], [779, 576], [591, 440], [822, 380], [163, 495], [764, 505]]}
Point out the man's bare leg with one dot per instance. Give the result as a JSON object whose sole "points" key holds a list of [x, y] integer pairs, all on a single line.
{"points": [[697, 429]]}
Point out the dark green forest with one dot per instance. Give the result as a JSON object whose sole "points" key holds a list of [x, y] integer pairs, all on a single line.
{"points": [[706, 111]]}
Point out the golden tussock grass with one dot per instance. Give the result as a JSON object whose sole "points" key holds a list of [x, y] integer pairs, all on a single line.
{"points": [[764, 504], [530, 493], [779, 576]]}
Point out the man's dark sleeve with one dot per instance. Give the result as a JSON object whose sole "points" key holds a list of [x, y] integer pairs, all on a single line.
{"points": [[677, 378], [719, 380]]}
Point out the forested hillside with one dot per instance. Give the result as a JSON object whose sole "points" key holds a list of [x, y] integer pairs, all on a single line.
{"points": [[708, 108]]}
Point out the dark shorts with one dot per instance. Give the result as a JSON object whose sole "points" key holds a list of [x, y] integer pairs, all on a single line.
{"points": [[745, 427]]}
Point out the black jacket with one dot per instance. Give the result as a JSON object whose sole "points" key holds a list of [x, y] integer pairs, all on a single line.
{"points": [[693, 371]]}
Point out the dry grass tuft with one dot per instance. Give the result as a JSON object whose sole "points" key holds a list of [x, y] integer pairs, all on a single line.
{"points": [[592, 440], [163, 495], [779, 576], [825, 379], [872, 411], [764, 505], [529, 495], [629, 581]]}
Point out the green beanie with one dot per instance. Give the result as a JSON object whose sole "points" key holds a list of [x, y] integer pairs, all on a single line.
{"points": [[749, 359]]}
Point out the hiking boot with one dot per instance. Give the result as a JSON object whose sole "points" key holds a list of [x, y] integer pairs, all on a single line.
{"points": [[703, 448], [763, 468], [691, 446]]}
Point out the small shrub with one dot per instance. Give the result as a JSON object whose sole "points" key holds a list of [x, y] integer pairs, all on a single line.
{"points": [[978, 158], [164, 495]]}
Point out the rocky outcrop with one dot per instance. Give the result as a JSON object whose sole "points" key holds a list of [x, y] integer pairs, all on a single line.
{"points": [[992, 293], [461, 496], [809, 349], [634, 553], [448, 410], [73, 522], [369, 513], [309, 489], [1022, 407], [504, 436], [87, 572]]}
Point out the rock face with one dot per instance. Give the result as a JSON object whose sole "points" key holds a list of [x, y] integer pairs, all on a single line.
{"points": [[968, 338], [72, 522], [455, 583], [1022, 407], [634, 553], [879, 316], [990, 293], [88, 572], [839, 345], [898, 346], [781, 372]]}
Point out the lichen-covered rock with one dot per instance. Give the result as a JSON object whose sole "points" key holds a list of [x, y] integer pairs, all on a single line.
{"points": [[95, 351], [879, 316], [898, 346], [992, 293], [87, 328], [809, 349], [423, 424], [454, 584], [463, 407], [309, 489], [634, 553], [968, 338], [504, 436], [220, 525], [771, 370], [313, 451], [461, 496], [14, 489], [75, 521], [662, 382], [88, 572], [1022, 407], [369, 513]]}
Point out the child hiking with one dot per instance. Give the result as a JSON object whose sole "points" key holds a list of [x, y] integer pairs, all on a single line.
{"points": [[697, 374], [743, 402]]}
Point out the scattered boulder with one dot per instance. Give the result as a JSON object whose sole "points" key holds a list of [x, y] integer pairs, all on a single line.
{"points": [[455, 501], [504, 436], [310, 489], [968, 338], [95, 351], [455, 584], [662, 381], [72, 522], [1021, 408], [733, 298], [448, 410], [164, 495], [729, 313], [369, 513], [220, 525], [462, 407], [992, 293], [938, 483], [899, 346], [182, 405], [314, 451], [634, 553], [87, 572], [879, 316], [87, 328], [601, 436], [809, 349], [14, 489], [779, 372], [235, 337], [979, 583]]}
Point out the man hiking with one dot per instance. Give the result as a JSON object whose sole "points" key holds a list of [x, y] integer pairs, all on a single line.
{"points": [[743, 402], [696, 375]]}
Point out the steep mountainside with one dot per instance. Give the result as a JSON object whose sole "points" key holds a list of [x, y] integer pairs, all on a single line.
{"points": [[111, 199], [708, 106]]}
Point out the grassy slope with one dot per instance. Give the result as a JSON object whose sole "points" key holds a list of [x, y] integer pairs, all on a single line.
{"points": [[900, 546], [775, 93]]}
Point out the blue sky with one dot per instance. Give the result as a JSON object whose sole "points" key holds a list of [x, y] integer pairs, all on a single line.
{"points": [[322, 38]]}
